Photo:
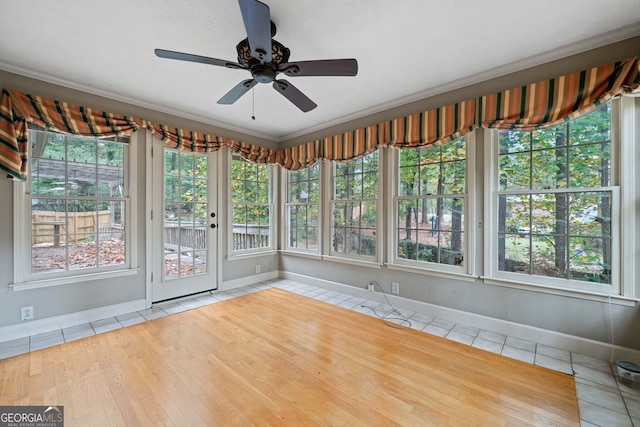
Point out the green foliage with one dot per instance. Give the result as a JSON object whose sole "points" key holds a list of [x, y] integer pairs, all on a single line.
{"points": [[431, 188], [303, 194], [185, 187], [250, 192], [573, 155]]}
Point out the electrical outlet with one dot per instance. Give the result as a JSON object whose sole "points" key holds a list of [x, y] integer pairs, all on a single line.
{"points": [[258, 268], [26, 313], [395, 288], [371, 287]]}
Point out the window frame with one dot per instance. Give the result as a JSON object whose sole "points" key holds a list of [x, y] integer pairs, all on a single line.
{"points": [[231, 251], [24, 278], [328, 223], [619, 180], [467, 269], [286, 214]]}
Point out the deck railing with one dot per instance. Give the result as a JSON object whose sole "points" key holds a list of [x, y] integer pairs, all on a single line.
{"points": [[190, 238]]}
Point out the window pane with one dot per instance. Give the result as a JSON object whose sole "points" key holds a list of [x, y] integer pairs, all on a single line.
{"points": [[453, 177], [356, 185], [513, 142], [567, 234], [79, 223], [549, 169], [542, 139], [590, 166], [515, 171], [514, 253], [430, 227], [430, 179], [251, 209], [409, 179]]}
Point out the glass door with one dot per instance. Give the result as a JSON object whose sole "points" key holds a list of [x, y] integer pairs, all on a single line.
{"points": [[184, 234]]}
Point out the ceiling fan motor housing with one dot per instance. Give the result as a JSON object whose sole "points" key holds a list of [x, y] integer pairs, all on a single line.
{"points": [[264, 73]]}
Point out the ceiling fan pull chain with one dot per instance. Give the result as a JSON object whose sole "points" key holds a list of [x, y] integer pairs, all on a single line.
{"points": [[253, 111]]}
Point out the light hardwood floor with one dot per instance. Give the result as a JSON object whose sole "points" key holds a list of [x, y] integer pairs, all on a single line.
{"points": [[277, 358]]}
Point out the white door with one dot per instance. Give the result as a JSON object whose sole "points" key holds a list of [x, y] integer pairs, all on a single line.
{"points": [[184, 223]]}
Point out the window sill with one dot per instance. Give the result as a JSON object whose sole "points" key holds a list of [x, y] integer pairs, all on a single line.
{"points": [[438, 273], [45, 283], [239, 256], [358, 262], [309, 255], [573, 293]]}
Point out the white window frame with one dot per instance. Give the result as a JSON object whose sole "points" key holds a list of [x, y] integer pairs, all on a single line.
{"points": [[621, 188], [231, 251], [286, 215], [466, 271], [329, 197], [24, 279]]}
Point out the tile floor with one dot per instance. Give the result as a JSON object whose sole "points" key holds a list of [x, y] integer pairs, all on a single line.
{"points": [[602, 399]]}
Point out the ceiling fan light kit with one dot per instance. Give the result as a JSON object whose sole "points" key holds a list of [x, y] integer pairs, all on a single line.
{"points": [[265, 58]]}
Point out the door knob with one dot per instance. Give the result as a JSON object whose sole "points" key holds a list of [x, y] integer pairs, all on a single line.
{"points": [[213, 226], [213, 214]]}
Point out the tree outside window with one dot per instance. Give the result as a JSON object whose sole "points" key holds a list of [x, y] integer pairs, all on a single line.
{"points": [[303, 198], [251, 205], [355, 206], [431, 203], [77, 202], [555, 200]]}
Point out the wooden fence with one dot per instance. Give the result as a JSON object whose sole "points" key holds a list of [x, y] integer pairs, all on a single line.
{"points": [[51, 227]]}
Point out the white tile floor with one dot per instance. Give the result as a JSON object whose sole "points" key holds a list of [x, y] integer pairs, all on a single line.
{"points": [[602, 399]]}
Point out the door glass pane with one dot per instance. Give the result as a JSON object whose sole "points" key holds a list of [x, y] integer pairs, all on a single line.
{"points": [[185, 230]]}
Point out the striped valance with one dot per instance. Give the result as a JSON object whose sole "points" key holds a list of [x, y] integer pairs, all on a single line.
{"points": [[539, 104], [563, 98], [17, 109], [344, 146], [544, 103], [439, 125]]}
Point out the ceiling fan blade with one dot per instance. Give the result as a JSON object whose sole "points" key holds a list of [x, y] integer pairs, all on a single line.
{"points": [[257, 22], [240, 89], [169, 54], [294, 95], [324, 67]]}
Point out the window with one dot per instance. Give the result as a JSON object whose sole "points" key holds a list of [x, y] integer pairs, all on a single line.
{"points": [[354, 207], [74, 207], [430, 203], [303, 198], [251, 206], [555, 204], [185, 205]]}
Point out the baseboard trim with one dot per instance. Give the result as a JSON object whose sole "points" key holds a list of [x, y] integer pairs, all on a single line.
{"points": [[585, 346], [249, 280], [49, 324]]}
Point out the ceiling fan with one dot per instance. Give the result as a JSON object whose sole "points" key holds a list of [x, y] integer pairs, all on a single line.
{"points": [[265, 58]]}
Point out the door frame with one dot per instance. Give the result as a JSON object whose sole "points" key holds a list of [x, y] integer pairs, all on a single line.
{"points": [[150, 216]]}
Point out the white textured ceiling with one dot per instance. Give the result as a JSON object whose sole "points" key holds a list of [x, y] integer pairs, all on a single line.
{"points": [[406, 50]]}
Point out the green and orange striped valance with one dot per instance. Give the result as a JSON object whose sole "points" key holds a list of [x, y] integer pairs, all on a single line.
{"points": [[17, 109], [343, 146], [533, 105], [563, 98]]}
